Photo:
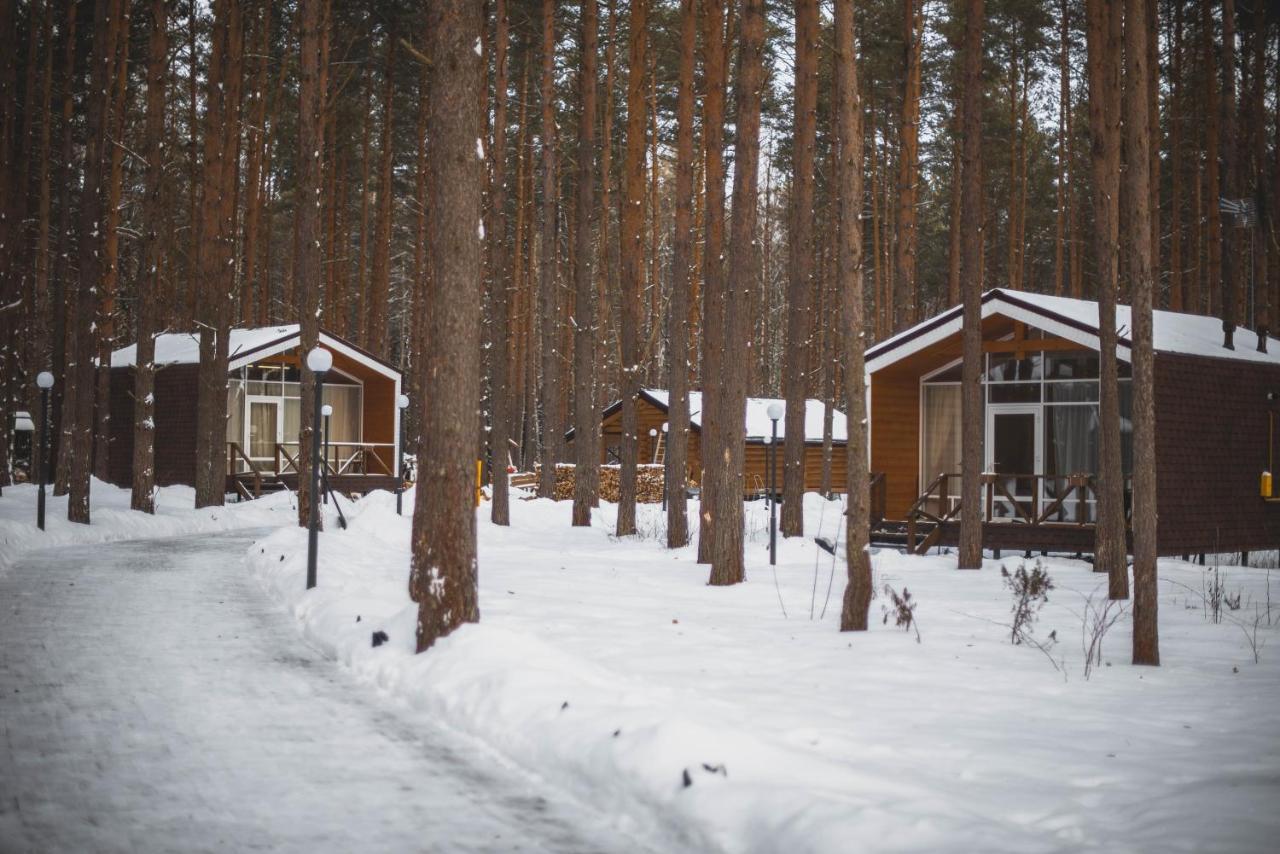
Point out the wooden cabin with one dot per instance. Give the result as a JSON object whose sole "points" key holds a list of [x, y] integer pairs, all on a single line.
{"points": [[651, 415], [1214, 427], [263, 412]]}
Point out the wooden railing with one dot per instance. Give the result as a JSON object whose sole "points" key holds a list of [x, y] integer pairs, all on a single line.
{"points": [[343, 458], [1045, 502], [234, 452]]}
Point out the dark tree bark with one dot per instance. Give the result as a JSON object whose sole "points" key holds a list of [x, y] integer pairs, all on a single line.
{"points": [[906, 301], [631, 238], [548, 274], [380, 277], [256, 170], [105, 328], [41, 310], [1213, 176], [857, 594], [500, 416], [1177, 296], [80, 374], [970, 555], [1104, 34], [1138, 142], [677, 438], [313, 36], [1232, 283], [799, 294], [153, 218], [714, 73], [586, 422], [727, 526], [63, 282], [443, 579]]}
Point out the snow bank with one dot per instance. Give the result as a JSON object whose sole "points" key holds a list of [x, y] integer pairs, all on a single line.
{"points": [[741, 719], [111, 519]]}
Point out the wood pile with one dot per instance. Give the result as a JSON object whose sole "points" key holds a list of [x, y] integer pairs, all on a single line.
{"points": [[648, 483]]}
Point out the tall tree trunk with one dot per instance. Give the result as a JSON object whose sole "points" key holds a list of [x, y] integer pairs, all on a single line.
{"points": [[255, 171], [105, 328], [80, 373], [631, 250], [970, 556], [1213, 177], [154, 225], [728, 457], [1138, 142], [380, 278], [1233, 302], [63, 285], [500, 384], [1064, 109], [1177, 297], [313, 36], [1104, 36], [216, 251], [443, 579], [857, 593], [586, 423], [548, 274], [41, 310], [909, 168], [682, 238], [799, 309], [714, 74]]}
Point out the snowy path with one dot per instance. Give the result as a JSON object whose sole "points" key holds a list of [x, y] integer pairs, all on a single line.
{"points": [[151, 699]]}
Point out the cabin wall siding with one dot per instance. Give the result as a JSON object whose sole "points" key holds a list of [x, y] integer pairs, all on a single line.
{"points": [[1212, 444], [176, 389], [895, 439]]}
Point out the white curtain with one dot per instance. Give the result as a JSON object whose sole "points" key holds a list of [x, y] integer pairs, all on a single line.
{"points": [[941, 431], [235, 411], [344, 424]]}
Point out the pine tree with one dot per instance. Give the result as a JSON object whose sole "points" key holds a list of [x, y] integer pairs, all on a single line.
{"points": [[586, 422], [499, 269], [800, 288], [970, 556], [443, 578]]}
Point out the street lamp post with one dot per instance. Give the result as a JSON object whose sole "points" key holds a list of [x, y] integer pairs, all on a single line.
{"points": [[45, 382], [665, 427], [774, 412], [319, 361], [326, 411], [403, 403]]}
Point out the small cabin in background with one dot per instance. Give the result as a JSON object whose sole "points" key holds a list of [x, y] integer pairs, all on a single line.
{"points": [[263, 412], [1215, 427], [651, 415]]}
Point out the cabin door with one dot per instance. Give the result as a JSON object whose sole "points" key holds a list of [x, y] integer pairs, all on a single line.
{"points": [[264, 429], [1015, 456]]}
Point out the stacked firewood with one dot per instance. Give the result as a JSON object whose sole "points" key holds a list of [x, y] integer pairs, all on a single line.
{"points": [[648, 483]]}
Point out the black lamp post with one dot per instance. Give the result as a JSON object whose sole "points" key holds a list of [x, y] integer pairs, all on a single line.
{"points": [[403, 403], [775, 412], [665, 427], [45, 382], [319, 360], [326, 411]]}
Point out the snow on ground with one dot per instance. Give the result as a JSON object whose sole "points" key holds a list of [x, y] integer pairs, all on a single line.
{"points": [[742, 719], [111, 519]]}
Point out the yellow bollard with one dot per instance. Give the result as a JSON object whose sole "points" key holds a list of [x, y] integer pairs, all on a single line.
{"points": [[1265, 485]]}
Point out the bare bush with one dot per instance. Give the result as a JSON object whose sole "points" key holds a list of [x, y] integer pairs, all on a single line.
{"points": [[1030, 593], [1096, 621], [903, 610]]}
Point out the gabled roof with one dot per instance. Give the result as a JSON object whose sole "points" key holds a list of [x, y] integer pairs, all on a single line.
{"points": [[1077, 320], [756, 416], [248, 345]]}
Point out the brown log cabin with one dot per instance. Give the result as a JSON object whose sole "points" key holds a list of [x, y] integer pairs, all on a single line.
{"points": [[263, 412], [651, 415], [1215, 428]]}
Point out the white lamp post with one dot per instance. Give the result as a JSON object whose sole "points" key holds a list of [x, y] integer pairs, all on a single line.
{"points": [[319, 361], [774, 412], [44, 381], [665, 428], [403, 403]]}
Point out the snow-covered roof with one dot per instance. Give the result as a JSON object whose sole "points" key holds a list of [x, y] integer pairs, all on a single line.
{"points": [[244, 346], [1077, 320], [757, 416]]}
